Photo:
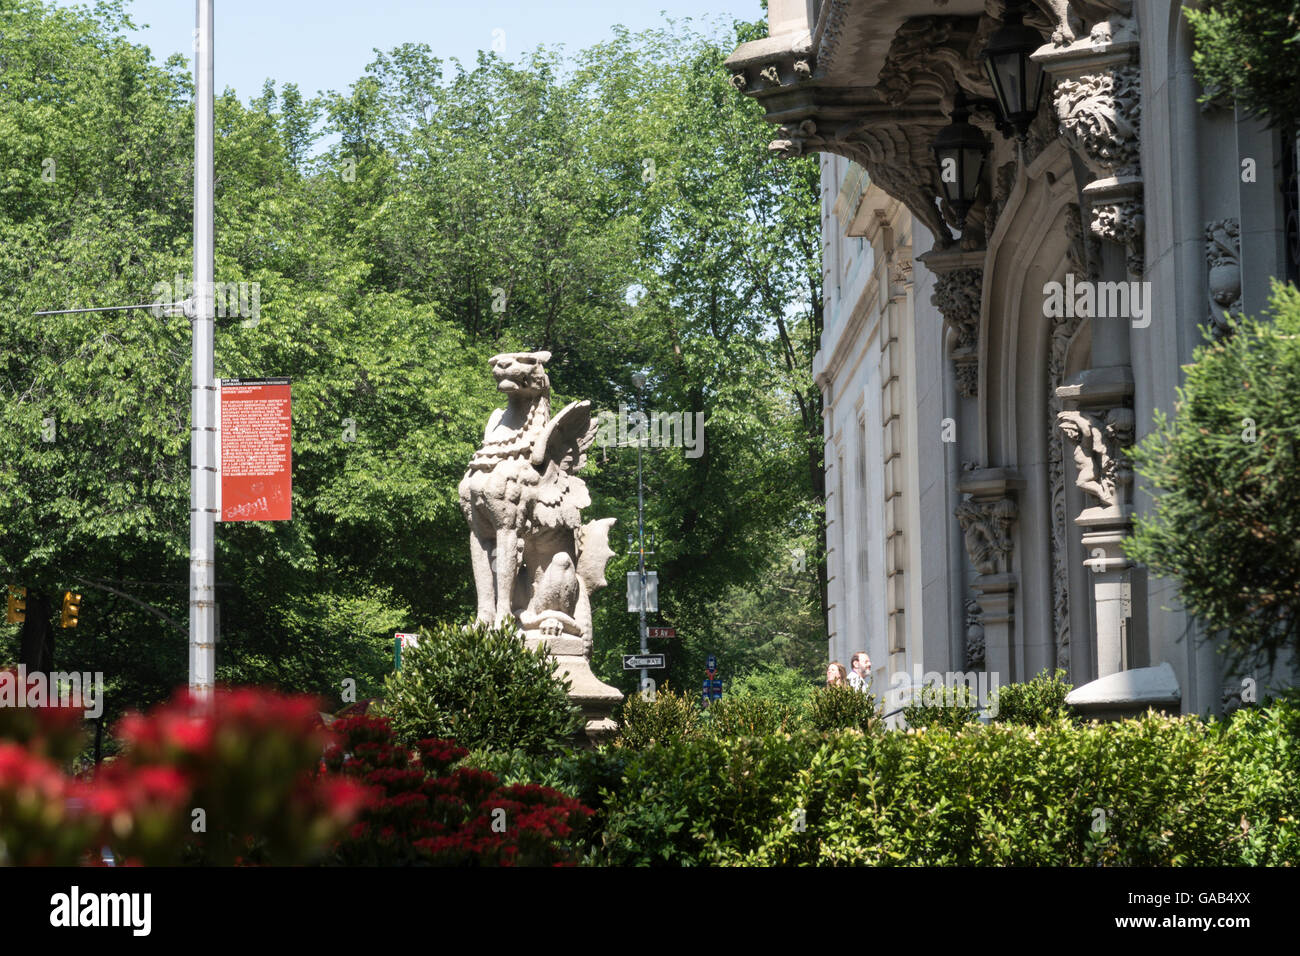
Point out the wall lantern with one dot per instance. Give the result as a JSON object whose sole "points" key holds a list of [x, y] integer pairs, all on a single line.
{"points": [[1017, 80], [960, 150]]}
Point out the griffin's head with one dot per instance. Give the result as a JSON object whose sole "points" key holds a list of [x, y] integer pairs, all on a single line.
{"points": [[522, 372]]}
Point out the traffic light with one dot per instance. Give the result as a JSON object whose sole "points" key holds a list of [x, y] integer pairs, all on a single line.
{"points": [[16, 610], [71, 608]]}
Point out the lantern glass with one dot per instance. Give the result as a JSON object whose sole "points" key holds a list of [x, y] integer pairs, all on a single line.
{"points": [[960, 151], [1017, 80]]}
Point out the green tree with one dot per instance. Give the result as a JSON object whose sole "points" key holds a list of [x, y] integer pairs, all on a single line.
{"points": [[1250, 49], [1226, 522]]}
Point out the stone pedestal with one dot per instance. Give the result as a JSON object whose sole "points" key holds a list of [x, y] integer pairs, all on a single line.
{"points": [[1129, 694], [592, 696]]}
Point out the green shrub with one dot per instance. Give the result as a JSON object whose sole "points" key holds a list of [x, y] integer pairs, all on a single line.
{"points": [[843, 708], [1034, 703], [483, 688], [939, 705], [1263, 746], [658, 717], [769, 682], [1157, 791], [753, 717]]}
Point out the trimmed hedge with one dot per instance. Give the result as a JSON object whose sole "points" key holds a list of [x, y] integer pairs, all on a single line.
{"points": [[1156, 791]]}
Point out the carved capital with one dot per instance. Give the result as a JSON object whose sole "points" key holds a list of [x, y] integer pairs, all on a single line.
{"points": [[957, 296], [1100, 115], [986, 524]]}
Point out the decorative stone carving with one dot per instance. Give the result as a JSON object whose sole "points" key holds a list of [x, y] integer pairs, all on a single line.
{"points": [[1099, 456], [1082, 254], [1003, 182], [1223, 258], [1098, 105], [888, 128], [1101, 114], [987, 528], [534, 560], [1123, 222], [939, 52], [1072, 19], [957, 295], [974, 635]]}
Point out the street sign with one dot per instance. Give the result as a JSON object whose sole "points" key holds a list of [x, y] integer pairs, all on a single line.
{"points": [[711, 663], [400, 641], [254, 450], [651, 591], [651, 662], [661, 632]]}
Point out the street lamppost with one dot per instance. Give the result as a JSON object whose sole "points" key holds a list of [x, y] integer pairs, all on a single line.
{"points": [[638, 379]]}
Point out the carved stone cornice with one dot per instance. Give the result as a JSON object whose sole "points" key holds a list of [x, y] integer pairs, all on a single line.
{"points": [[1074, 20], [814, 94]]}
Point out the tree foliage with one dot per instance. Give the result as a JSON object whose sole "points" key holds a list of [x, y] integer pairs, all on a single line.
{"points": [[618, 208], [1226, 523], [1250, 49]]}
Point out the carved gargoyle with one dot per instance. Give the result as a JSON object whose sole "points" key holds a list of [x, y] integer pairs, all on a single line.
{"points": [[534, 560]]}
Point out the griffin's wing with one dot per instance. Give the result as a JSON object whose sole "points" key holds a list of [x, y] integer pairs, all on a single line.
{"points": [[566, 438], [493, 419]]}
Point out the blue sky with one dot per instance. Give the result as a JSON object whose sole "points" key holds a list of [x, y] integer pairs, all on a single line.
{"points": [[326, 44]]}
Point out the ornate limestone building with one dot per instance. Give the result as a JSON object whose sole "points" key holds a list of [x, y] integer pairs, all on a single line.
{"points": [[1013, 280]]}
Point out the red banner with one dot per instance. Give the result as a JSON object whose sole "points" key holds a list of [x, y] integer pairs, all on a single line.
{"points": [[255, 450]]}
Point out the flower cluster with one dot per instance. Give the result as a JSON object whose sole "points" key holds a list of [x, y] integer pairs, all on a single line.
{"points": [[427, 813], [233, 780]]}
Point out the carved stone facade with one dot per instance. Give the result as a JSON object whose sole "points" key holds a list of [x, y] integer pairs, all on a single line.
{"points": [[1015, 564]]}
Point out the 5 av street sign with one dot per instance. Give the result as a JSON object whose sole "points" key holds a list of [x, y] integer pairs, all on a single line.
{"points": [[661, 632], [651, 662]]}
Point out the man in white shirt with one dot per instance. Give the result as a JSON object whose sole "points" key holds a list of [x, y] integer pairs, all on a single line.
{"points": [[860, 675]]}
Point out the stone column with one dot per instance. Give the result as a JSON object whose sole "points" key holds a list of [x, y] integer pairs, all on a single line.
{"points": [[986, 517], [1097, 418]]}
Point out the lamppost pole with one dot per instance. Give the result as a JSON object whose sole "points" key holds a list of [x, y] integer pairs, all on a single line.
{"points": [[639, 380], [203, 465]]}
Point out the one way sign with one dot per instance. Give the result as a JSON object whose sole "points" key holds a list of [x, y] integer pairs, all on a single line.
{"points": [[651, 662]]}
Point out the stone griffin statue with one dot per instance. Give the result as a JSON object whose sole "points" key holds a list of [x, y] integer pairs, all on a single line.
{"points": [[534, 560]]}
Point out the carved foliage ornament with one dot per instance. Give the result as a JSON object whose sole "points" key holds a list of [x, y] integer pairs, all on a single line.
{"points": [[957, 295], [1101, 115]]}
